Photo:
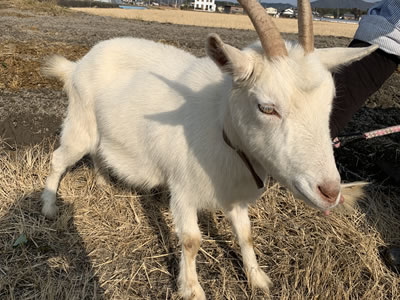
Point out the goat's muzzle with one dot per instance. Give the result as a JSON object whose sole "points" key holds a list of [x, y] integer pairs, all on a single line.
{"points": [[330, 192]]}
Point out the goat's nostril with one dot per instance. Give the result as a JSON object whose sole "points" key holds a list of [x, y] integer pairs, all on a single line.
{"points": [[321, 190], [329, 192]]}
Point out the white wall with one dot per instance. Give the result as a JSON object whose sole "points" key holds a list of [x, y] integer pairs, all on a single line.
{"points": [[206, 5]]}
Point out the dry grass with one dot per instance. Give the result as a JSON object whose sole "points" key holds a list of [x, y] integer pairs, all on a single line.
{"points": [[112, 243], [217, 20], [49, 7], [22, 60]]}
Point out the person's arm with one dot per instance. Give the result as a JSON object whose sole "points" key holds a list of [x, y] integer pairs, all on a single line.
{"points": [[356, 82]]}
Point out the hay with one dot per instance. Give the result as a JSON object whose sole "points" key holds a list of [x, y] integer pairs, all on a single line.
{"points": [[113, 243]]}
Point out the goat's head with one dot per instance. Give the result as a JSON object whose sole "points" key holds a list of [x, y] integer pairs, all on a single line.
{"points": [[281, 102]]}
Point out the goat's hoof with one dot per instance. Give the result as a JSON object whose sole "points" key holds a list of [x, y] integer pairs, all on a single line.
{"points": [[192, 292], [49, 210], [258, 279]]}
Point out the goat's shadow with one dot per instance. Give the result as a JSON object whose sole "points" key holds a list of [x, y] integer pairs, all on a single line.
{"points": [[45, 259]]}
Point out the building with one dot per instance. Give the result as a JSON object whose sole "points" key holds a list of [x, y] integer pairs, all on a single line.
{"points": [[288, 13], [349, 17], [316, 14], [231, 9], [329, 16], [112, 1], [205, 5], [271, 11]]}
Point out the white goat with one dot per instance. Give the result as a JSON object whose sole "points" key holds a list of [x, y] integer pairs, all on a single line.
{"points": [[211, 129]]}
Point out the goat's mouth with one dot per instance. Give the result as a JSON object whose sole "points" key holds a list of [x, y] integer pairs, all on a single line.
{"points": [[314, 199]]}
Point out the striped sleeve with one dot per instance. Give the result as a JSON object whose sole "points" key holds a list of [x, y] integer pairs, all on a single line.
{"points": [[382, 26]]}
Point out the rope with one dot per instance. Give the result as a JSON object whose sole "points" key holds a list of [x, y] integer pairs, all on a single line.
{"points": [[382, 132], [351, 137]]}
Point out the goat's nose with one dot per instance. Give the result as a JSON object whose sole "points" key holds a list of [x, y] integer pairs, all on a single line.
{"points": [[329, 191]]}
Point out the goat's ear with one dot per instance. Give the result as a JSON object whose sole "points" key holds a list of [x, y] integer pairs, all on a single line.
{"points": [[229, 59], [334, 58]]}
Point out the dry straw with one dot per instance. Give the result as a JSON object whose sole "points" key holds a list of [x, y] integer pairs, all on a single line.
{"points": [[111, 242]]}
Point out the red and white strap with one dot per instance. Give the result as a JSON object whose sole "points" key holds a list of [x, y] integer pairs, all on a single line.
{"points": [[381, 132]]}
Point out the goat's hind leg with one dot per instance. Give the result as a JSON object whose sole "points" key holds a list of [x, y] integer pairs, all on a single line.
{"points": [[100, 172], [75, 143], [239, 217]]}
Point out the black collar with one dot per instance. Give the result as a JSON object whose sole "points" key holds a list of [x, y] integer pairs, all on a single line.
{"points": [[243, 156]]}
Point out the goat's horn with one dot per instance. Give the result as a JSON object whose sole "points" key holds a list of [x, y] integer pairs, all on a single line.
{"points": [[305, 23], [268, 33]]}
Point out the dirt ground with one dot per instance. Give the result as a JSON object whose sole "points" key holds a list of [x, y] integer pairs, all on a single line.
{"points": [[31, 111]]}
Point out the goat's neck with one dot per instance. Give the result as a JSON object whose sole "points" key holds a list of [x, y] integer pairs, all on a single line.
{"points": [[230, 131], [233, 140]]}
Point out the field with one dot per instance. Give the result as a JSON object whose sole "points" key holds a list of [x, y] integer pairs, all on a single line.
{"points": [[196, 18], [115, 242]]}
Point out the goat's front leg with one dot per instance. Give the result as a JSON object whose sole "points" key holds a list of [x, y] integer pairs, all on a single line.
{"points": [[185, 218], [239, 217]]}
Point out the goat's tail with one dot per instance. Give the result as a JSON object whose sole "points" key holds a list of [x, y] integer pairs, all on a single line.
{"points": [[352, 192], [58, 67]]}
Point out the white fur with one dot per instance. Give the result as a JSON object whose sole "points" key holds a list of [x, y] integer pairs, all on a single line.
{"points": [[155, 115]]}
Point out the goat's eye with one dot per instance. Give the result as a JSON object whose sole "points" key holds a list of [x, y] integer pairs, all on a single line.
{"points": [[267, 109]]}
